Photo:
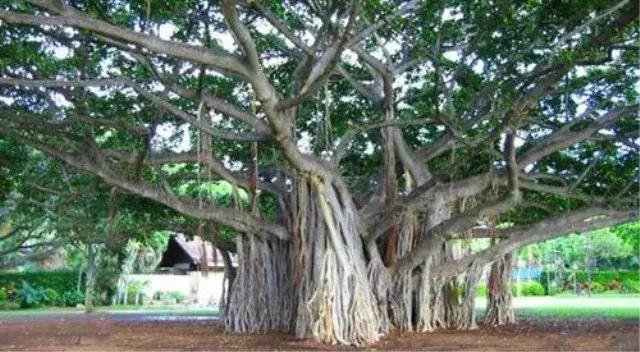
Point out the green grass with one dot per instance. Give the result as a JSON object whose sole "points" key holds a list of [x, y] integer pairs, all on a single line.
{"points": [[607, 294], [570, 306], [118, 309], [580, 313]]}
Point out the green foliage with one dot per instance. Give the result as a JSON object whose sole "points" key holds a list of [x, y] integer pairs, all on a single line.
{"points": [[58, 280], [178, 296], [51, 297], [531, 288], [170, 296], [3, 297], [605, 248], [630, 234], [30, 297], [610, 280], [605, 277], [597, 287], [72, 298], [630, 286]]}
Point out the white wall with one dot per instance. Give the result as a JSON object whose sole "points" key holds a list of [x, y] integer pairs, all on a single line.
{"points": [[199, 289]]}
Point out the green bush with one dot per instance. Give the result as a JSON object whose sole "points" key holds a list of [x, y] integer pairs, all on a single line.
{"points": [[72, 298], [607, 278], [51, 297], [630, 286], [31, 296], [178, 296], [597, 287], [59, 280], [532, 288], [3, 297]]}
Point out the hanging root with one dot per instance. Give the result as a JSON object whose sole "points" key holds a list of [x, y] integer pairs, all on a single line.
{"points": [[261, 296], [445, 293], [467, 317], [424, 305], [378, 278], [336, 302], [500, 302], [402, 287]]}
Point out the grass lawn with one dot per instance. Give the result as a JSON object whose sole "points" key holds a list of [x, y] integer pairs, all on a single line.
{"points": [[619, 306], [564, 306], [118, 309]]}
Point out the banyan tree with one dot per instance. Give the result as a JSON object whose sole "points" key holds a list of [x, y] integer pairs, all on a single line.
{"points": [[372, 138]]}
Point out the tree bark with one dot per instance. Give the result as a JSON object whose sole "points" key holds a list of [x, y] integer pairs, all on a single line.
{"points": [[261, 295], [500, 302], [467, 316], [336, 303], [90, 279], [227, 282]]}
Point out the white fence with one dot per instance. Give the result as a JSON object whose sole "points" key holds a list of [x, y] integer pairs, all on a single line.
{"points": [[198, 288]]}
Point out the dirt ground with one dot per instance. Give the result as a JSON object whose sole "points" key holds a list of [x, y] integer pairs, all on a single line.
{"points": [[109, 332]]}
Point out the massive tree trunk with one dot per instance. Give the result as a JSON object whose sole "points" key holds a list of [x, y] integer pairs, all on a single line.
{"points": [[500, 302], [336, 303], [321, 291]]}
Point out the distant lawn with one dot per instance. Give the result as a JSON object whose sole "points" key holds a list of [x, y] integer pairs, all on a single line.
{"points": [[565, 306], [579, 313], [118, 309], [570, 306]]}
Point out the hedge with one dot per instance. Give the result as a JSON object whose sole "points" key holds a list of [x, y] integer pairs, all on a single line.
{"points": [[527, 288], [58, 280], [600, 277]]}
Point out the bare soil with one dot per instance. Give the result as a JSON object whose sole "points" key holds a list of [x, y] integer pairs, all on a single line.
{"points": [[109, 332]]}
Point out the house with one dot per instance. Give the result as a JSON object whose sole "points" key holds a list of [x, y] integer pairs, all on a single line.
{"points": [[193, 268], [183, 256]]}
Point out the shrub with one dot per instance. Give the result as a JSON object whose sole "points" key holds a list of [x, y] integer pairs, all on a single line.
{"points": [[605, 277], [613, 285], [630, 286], [597, 287], [532, 288], [59, 280], [51, 297], [178, 296], [3, 297], [71, 298], [31, 297]]}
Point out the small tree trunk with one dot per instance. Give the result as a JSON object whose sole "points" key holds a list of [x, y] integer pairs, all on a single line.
{"points": [[90, 279], [500, 300], [227, 281]]}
